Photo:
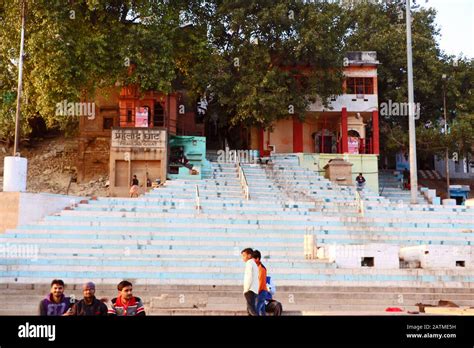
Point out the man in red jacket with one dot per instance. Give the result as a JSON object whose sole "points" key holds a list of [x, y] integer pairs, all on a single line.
{"points": [[126, 304]]}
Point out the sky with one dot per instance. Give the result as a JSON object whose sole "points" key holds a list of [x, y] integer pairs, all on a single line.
{"points": [[455, 18]]}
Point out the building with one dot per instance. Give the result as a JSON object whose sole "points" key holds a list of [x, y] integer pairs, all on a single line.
{"points": [[348, 128], [128, 134]]}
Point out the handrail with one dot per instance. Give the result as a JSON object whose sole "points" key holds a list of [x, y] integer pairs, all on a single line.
{"points": [[243, 182], [198, 200], [360, 203]]}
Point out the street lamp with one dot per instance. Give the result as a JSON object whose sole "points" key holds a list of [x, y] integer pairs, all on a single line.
{"points": [[445, 79], [411, 115], [15, 167], [20, 79]]}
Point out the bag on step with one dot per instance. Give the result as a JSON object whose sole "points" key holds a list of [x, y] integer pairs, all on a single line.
{"points": [[273, 308]]}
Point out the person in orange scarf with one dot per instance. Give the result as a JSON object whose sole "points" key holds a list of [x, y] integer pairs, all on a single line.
{"points": [[262, 284]]}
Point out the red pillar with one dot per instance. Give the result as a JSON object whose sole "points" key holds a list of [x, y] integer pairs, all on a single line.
{"points": [[297, 135], [345, 142], [375, 129], [261, 133]]}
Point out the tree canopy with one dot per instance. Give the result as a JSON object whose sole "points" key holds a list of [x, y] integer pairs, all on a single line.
{"points": [[243, 55]]}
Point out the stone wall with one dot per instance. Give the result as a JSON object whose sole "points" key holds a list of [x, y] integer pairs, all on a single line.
{"points": [[20, 208], [93, 159]]}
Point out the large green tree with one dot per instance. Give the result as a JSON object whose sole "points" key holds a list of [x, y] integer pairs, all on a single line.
{"points": [[245, 56]]}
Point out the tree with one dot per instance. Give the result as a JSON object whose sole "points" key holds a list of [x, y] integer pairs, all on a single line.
{"points": [[381, 27]]}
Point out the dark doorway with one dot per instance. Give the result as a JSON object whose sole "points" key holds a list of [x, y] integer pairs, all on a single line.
{"points": [[159, 115], [327, 146]]}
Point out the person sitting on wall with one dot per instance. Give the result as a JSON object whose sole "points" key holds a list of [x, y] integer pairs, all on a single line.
{"points": [[134, 187], [179, 157], [360, 181]]}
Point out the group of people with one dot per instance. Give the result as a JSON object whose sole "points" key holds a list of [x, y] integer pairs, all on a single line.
{"points": [[135, 185], [258, 288], [258, 293], [57, 304]]}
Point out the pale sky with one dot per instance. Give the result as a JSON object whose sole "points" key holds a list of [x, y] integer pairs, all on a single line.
{"points": [[455, 18]]}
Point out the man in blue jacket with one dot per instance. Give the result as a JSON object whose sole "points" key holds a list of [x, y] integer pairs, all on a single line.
{"points": [[56, 303]]}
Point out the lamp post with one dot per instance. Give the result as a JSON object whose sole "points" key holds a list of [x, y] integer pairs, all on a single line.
{"points": [[20, 79], [15, 167], [411, 116], [446, 159]]}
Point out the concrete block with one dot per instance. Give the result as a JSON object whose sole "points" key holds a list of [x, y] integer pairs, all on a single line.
{"points": [[439, 256], [383, 256]]}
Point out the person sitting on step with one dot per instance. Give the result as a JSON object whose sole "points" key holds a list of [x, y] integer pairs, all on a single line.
{"points": [[125, 304], [360, 181]]}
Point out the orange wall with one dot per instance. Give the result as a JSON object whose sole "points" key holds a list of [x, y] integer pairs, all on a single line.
{"points": [[9, 206], [282, 136]]}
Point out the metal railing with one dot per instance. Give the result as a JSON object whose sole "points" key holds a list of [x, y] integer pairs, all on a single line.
{"points": [[198, 200], [360, 203], [243, 182]]}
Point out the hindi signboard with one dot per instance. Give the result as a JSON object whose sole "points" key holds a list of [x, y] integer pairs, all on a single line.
{"points": [[139, 138]]}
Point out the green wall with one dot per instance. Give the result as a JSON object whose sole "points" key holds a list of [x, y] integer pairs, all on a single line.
{"points": [[365, 164], [195, 152]]}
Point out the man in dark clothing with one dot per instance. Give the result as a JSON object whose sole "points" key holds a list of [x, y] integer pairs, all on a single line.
{"points": [[406, 179], [126, 304], [90, 305], [56, 304], [360, 181]]}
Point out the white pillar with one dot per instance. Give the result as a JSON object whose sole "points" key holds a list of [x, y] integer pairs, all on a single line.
{"points": [[14, 174]]}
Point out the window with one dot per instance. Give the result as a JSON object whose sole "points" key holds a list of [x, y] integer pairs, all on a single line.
{"points": [[367, 262], [360, 85], [108, 122], [129, 116], [159, 115]]}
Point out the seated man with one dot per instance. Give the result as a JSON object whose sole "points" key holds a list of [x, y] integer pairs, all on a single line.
{"points": [[56, 304], [89, 305], [125, 304], [360, 181]]}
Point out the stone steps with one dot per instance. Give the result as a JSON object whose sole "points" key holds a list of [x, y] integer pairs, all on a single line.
{"points": [[204, 300]]}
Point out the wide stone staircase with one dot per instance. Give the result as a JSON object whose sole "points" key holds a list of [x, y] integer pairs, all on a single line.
{"points": [[391, 188], [180, 245]]}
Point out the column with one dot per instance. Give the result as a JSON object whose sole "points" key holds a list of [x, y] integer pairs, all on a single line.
{"points": [[345, 141], [261, 133], [297, 135], [375, 131]]}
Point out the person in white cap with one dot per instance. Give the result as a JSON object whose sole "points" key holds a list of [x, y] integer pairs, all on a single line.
{"points": [[89, 305]]}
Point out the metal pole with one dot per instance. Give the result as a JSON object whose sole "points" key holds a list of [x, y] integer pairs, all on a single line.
{"points": [[446, 134], [20, 78], [411, 118]]}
